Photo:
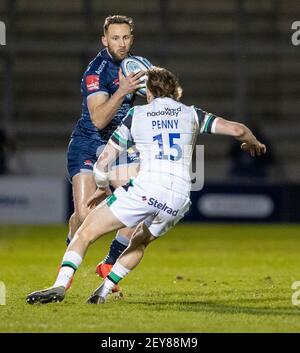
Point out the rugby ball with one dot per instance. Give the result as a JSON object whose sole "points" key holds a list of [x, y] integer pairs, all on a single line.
{"points": [[136, 64]]}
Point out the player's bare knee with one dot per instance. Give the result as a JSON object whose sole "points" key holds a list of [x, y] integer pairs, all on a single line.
{"points": [[148, 235], [140, 236]]}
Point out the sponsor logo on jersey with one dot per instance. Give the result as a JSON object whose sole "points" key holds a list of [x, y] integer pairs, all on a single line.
{"points": [[92, 82], [162, 206], [101, 67], [144, 198], [167, 111], [88, 163]]}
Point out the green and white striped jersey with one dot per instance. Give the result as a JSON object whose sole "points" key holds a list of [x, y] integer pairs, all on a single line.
{"points": [[164, 133]]}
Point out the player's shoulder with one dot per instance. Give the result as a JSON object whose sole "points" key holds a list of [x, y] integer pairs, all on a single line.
{"points": [[134, 111], [127, 120], [98, 65], [132, 114], [197, 110], [141, 109]]}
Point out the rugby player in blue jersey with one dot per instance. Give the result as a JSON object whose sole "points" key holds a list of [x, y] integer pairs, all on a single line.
{"points": [[107, 97]]}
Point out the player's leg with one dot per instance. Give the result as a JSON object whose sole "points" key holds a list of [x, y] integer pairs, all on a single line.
{"points": [[134, 253], [119, 176], [80, 167], [73, 226], [155, 225], [100, 221], [81, 156], [83, 188], [117, 246], [127, 261]]}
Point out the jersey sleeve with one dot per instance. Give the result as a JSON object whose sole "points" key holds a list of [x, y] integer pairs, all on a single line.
{"points": [[95, 81], [122, 138], [207, 121]]}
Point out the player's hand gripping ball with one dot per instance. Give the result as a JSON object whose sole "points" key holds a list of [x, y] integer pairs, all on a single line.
{"points": [[135, 64]]}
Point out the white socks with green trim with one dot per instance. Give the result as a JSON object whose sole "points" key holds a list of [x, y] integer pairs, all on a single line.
{"points": [[71, 261], [117, 272]]}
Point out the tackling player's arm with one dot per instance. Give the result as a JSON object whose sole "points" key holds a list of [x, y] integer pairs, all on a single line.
{"points": [[101, 173], [102, 108], [212, 124], [242, 133], [116, 145]]}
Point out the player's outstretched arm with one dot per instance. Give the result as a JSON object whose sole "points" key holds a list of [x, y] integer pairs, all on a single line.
{"points": [[242, 133]]}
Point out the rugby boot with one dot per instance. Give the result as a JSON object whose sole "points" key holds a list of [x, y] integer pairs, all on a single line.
{"points": [[97, 297], [49, 295], [103, 270]]}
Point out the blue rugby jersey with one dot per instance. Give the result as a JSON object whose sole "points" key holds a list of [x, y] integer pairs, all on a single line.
{"points": [[101, 75]]}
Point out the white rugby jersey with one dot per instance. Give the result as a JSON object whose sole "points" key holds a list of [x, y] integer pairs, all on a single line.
{"points": [[164, 133]]}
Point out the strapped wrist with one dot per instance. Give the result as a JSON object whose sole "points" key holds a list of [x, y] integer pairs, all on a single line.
{"points": [[101, 178]]}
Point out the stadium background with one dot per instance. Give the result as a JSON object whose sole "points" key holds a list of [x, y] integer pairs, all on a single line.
{"points": [[235, 58]]}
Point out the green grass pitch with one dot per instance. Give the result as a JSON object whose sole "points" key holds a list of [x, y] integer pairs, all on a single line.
{"points": [[197, 278]]}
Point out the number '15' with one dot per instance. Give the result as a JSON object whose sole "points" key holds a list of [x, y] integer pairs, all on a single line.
{"points": [[162, 155]]}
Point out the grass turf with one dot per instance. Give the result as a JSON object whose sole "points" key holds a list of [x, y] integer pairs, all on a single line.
{"points": [[197, 278]]}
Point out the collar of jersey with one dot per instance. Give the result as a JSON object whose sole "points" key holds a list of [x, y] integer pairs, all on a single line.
{"points": [[162, 99]]}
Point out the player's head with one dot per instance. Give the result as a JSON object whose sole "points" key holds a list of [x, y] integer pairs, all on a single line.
{"points": [[162, 83], [117, 35]]}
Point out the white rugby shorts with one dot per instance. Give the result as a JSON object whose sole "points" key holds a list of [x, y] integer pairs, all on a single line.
{"points": [[160, 208]]}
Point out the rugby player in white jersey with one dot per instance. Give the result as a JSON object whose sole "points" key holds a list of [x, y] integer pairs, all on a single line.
{"points": [[164, 132]]}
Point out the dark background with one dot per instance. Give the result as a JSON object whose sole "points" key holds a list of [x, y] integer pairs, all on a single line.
{"points": [[234, 58]]}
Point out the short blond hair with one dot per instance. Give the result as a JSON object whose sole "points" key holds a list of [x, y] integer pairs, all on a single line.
{"points": [[117, 19]]}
